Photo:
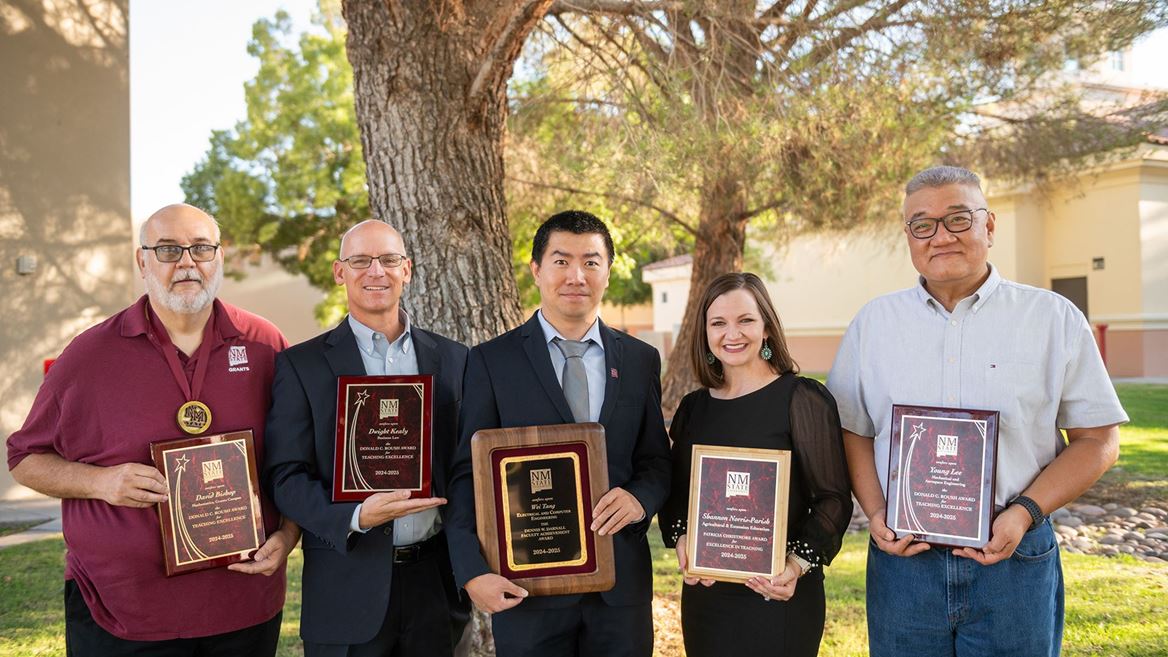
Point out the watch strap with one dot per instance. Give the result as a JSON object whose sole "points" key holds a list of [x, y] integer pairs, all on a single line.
{"points": [[1036, 515]]}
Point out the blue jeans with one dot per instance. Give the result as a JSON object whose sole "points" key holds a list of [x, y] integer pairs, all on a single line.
{"points": [[936, 604]]}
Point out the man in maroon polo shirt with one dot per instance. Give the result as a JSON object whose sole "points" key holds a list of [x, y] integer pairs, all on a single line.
{"points": [[116, 388]]}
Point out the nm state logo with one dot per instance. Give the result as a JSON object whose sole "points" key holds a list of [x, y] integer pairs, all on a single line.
{"points": [[946, 445], [737, 483], [541, 480], [237, 359]]}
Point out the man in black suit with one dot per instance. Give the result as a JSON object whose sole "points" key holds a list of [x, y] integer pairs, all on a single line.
{"points": [[564, 365], [377, 577]]}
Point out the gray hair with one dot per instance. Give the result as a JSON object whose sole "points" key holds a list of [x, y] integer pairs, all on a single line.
{"points": [[940, 177]]}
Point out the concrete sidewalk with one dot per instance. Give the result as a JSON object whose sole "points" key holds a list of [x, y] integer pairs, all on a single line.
{"points": [[45, 511]]}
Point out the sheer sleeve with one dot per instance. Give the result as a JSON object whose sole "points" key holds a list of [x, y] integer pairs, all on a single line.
{"points": [[819, 455], [674, 515]]}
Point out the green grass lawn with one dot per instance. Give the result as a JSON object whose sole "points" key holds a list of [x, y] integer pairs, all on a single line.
{"points": [[1115, 606]]}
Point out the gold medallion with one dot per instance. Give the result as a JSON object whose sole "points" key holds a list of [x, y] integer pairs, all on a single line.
{"points": [[194, 417]]}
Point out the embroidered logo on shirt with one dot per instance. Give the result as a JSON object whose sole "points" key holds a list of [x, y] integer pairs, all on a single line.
{"points": [[237, 359], [541, 479], [737, 484]]}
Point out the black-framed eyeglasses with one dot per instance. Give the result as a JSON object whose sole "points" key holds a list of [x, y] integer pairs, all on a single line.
{"points": [[387, 260], [174, 252], [955, 222]]}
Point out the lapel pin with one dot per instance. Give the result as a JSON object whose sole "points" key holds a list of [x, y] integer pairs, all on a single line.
{"points": [[613, 373]]}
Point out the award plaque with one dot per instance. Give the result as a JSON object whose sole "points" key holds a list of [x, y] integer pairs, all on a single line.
{"points": [[212, 514], [383, 436], [941, 468], [737, 513], [535, 488]]}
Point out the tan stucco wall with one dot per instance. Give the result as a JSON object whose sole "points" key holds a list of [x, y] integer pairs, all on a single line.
{"points": [[64, 186], [1119, 214]]}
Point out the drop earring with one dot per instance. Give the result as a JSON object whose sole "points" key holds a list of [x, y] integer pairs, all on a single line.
{"points": [[710, 358], [766, 352]]}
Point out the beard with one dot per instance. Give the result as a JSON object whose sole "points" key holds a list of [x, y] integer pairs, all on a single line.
{"points": [[186, 304]]}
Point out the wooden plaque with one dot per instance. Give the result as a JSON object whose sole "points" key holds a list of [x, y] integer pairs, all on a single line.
{"points": [[535, 488], [737, 513], [942, 463], [384, 436], [212, 515]]}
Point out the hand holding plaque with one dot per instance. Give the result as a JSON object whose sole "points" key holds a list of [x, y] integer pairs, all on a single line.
{"points": [[535, 491], [941, 469], [737, 513], [212, 514]]}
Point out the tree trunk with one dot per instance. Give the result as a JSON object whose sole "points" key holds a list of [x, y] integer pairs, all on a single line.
{"points": [[430, 85], [717, 250], [434, 157]]}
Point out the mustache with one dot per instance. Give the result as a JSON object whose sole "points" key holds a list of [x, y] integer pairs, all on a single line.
{"points": [[186, 275]]}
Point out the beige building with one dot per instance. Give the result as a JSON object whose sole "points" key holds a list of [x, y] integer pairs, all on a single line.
{"points": [[1100, 239]]}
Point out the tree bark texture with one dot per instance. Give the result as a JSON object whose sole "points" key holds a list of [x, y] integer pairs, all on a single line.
{"points": [[718, 249], [430, 87]]}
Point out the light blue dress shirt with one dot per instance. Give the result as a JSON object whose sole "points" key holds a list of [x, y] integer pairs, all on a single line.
{"points": [[593, 358], [400, 358], [1025, 352]]}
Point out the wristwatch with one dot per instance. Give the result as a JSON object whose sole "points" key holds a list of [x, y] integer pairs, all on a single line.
{"points": [[1036, 516], [804, 565]]}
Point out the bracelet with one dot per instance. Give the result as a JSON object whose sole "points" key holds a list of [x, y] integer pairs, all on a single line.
{"points": [[1036, 516], [803, 564]]}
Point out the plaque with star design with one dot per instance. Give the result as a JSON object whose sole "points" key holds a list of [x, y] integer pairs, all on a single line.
{"points": [[383, 436], [212, 514], [942, 463]]}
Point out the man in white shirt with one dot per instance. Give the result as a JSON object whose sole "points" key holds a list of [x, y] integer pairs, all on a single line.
{"points": [[964, 337]]}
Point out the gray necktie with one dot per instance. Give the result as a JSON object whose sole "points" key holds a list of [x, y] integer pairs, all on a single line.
{"points": [[575, 380]]}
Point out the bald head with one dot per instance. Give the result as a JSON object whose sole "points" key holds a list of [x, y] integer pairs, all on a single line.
{"points": [[370, 229], [175, 212]]}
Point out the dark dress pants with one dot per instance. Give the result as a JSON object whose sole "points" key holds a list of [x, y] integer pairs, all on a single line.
{"points": [[588, 629], [417, 622]]}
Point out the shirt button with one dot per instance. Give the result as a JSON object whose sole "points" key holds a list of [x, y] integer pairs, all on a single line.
{"points": [[952, 359], [953, 322], [952, 398]]}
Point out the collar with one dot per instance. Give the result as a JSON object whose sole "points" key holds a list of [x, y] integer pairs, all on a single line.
{"points": [[135, 321], [364, 334], [979, 297], [550, 332]]}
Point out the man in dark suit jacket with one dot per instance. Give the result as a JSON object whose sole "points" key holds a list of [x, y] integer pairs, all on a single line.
{"points": [[377, 577], [515, 380]]}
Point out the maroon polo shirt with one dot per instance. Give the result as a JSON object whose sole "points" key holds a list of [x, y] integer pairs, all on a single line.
{"points": [[103, 402]]}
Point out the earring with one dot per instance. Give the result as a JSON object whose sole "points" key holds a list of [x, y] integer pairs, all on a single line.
{"points": [[710, 358], [766, 352]]}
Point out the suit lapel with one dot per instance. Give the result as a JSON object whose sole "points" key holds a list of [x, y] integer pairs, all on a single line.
{"points": [[612, 362], [341, 353], [541, 362], [426, 350]]}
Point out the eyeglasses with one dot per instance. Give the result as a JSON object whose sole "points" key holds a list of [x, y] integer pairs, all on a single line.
{"points": [[955, 222], [174, 252], [387, 260]]}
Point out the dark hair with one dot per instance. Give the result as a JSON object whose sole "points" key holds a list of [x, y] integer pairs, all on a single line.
{"points": [[577, 222], [711, 375]]}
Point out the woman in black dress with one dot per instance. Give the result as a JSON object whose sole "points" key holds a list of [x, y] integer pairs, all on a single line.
{"points": [[753, 398]]}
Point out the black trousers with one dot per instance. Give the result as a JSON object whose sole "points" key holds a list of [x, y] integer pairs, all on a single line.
{"points": [[730, 618], [85, 638], [588, 629], [417, 622]]}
